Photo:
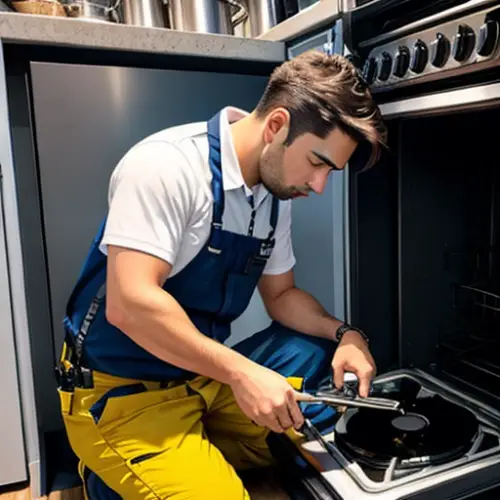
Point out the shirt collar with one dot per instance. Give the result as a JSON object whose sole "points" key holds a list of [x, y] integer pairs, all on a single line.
{"points": [[231, 171]]}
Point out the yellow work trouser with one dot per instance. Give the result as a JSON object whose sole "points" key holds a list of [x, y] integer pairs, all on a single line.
{"points": [[181, 442]]}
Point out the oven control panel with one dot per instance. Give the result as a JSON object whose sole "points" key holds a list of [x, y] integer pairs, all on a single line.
{"points": [[436, 52]]}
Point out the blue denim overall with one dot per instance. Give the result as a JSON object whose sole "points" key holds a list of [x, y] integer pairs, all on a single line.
{"points": [[214, 289]]}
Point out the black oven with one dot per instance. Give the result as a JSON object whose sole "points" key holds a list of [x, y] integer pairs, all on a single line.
{"points": [[424, 224], [423, 239]]}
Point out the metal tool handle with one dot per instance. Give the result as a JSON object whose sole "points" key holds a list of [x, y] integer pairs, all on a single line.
{"points": [[357, 402]]}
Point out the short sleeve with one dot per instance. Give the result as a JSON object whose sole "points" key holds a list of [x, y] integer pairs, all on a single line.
{"points": [[282, 259], [151, 197]]}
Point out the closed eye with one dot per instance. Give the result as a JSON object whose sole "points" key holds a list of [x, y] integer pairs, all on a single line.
{"points": [[316, 164]]}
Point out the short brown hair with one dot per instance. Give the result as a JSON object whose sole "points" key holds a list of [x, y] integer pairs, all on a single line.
{"points": [[322, 92]]}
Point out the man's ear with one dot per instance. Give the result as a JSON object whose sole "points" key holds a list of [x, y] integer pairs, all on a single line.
{"points": [[277, 126]]}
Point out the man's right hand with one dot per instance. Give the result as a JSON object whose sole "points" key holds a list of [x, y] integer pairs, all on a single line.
{"points": [[267, 398]]}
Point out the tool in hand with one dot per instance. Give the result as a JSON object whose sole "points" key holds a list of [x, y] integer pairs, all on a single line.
{"points": [[339, 398], [348, 397]]}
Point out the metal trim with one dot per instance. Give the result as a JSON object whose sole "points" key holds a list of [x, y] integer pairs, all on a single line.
{"points": [[36, 478], [319, 14], [450, 101], [400, 302], [16, 272], [347, 251], [304, 45], [339, 245]]}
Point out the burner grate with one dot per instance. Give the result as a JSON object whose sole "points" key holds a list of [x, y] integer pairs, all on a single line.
{"points": [[372, 475], [486, 442]]}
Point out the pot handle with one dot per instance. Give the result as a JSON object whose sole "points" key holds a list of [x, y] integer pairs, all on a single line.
{"points": [[72, 10], [112, 11], [115, 6], [242, 14]]}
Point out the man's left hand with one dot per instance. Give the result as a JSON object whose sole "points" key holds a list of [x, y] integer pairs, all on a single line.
{"points": [[353, 355]]}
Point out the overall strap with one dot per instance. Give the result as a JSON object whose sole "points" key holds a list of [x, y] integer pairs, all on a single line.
{"points": [[215, 163], [91, 268], [273, 220], [75, 335]]}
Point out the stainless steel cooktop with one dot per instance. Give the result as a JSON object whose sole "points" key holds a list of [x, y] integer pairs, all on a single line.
{"points": [[444, 461]]}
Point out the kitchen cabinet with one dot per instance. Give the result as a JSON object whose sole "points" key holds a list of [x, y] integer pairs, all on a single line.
{"points": [[67, 115], [70, 114]]}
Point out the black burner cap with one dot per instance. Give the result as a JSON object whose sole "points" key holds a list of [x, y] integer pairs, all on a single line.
{"points": [[433, 430], [411, 422]]}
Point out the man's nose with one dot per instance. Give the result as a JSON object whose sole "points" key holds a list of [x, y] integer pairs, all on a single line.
{"points": [[319, 182]]}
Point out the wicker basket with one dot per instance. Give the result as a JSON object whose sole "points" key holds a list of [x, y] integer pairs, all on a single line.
{"points": [[40, 7]]}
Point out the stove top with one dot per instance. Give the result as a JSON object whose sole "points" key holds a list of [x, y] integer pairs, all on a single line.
{"points": [[463, 39], [444, 444]]}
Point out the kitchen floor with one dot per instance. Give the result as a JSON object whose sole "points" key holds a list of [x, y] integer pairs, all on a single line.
{"points": [[261, 487]]}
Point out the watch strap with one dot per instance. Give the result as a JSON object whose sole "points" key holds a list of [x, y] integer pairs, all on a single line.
{"points": [[346, 327]]}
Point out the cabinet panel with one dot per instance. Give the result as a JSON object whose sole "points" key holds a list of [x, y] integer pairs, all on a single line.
{"points": [[12, 455], [86, 118]]}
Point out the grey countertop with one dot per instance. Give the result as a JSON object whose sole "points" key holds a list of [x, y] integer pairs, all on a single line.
{"points": [[56, 31]]}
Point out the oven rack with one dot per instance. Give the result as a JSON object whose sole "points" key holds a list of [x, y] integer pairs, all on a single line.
{"points": [[470, 354], [483, 294]]}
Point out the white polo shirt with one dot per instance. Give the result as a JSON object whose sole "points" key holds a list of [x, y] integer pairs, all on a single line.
{"points": [[160, 198]]}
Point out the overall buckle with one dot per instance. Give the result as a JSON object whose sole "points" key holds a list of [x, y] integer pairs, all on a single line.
{"points": [[85, 379], [70, 378], [66, 378]]}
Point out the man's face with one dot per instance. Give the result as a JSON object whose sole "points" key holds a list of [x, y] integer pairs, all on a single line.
{"points": [[293, 171]]}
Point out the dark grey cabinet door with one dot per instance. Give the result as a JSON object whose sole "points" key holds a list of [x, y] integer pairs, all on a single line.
{"points": [[86, 118]]}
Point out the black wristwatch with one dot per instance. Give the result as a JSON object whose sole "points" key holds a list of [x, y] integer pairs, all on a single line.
{"points": [[342, 329]]}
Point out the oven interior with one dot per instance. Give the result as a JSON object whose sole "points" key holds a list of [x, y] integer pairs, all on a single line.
{"points": [[425, 249]]}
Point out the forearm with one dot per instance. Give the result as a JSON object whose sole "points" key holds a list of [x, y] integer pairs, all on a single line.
{"points": [[298, 310], [155, 320]]}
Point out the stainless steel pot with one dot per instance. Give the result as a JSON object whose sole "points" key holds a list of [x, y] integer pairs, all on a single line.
{"points": [[149, 13], [262, 16], [207, 16], [106, 10]]}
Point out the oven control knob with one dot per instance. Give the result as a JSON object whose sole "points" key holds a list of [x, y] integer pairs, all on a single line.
{"points": [[440, 51], [419, 57], [385, 66], [463, 43], [402, 61], [370, 70], [488, 38]]}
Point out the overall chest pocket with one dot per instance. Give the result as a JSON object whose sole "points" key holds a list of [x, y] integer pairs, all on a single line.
{"points": [[241, 286]]}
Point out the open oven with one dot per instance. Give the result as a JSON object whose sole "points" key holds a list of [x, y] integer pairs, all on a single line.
{"points": [[423, 274], [424, 224]]}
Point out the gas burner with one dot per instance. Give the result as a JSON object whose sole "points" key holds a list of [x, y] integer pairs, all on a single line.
{"points": [[432, 431], [445, 442]]}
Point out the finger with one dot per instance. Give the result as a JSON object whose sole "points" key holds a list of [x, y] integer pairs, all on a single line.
{"points": [[364, 378], [271, 422], [295, 413], [338, 376], [283, 415]]}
